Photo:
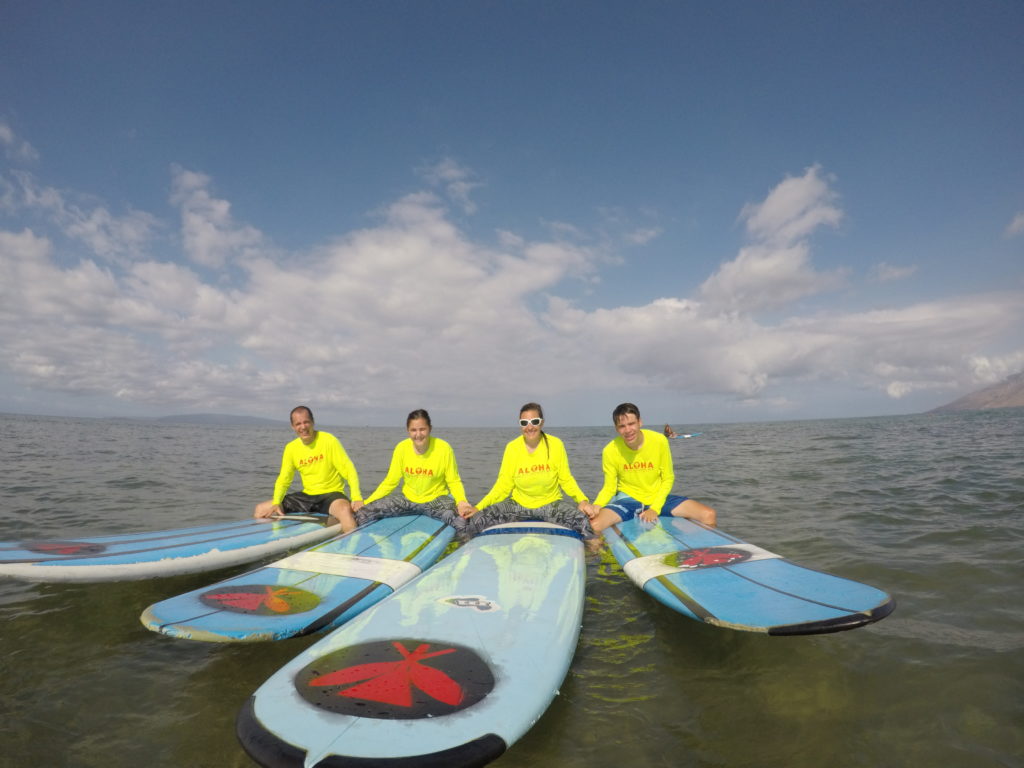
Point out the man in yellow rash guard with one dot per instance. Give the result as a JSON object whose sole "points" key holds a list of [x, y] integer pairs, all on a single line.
{"points": [[324, 468], [534, 471], [638, 477], [430, 480]]}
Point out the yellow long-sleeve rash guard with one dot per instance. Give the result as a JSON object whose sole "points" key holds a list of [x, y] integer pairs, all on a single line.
{"points": [[534, 479], [645, 474], [424, 476], [323, 466]]}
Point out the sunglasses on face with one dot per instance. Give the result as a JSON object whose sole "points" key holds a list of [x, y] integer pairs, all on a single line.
{"points": [[534, 422]]}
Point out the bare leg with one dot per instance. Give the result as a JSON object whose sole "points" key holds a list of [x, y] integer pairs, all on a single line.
{"points": [[341, 510], [604, 518], [696, 511]]}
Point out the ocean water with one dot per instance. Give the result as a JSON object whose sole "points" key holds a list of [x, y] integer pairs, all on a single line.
{"points": [[929, 508]]}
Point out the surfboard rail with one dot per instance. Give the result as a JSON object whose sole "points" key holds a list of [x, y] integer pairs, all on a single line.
{"points": [[152, 554]]}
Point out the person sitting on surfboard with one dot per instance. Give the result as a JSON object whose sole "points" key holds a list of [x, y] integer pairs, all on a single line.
{"points": [[638, 477], [431, 484], [324, 467], [534, 471], [669, 432]]}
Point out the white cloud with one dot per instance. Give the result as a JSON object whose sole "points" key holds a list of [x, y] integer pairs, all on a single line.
{"points": [[793, 210], [887, 273], [767, 278], [777, 270], [15, 148], [1016, 226], [108, 236], [211, 236], [411, 311], [457, 181], [986, 369], [643, 235], [392, 311]]}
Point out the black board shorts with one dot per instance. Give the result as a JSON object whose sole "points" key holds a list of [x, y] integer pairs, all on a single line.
{"points": [[302, 503]]}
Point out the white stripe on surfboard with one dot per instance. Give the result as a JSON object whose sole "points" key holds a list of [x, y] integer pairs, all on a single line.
{"points": [[643, 569], [394, 573]]}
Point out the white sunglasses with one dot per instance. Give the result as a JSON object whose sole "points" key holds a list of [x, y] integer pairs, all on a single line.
{"points": [[534, 422]]}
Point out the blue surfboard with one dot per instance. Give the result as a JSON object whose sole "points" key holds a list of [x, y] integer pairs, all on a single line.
{"points": [[708, 575], [161, 553], [448, 671], [312, 590]]}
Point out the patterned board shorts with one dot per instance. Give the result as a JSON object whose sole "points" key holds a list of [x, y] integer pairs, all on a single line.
{"points": [[562, 512], [442, 508]]}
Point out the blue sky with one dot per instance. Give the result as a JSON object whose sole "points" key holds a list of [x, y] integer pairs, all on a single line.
{"points": [[727, 211]]}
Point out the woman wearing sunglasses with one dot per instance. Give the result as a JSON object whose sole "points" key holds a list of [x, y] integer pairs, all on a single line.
{"points": [[430, 480], [534, 472]]}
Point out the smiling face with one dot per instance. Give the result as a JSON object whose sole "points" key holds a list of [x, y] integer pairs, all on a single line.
{"points": [[531, 432], [628, 425], [419, 433], [302, 423]]}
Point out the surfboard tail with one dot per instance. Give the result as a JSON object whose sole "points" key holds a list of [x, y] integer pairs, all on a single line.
{"points": [[841, 624], [267, 749]]}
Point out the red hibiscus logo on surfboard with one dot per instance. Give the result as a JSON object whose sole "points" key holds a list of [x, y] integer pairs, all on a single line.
{"points": [[260, 599], [707, 557], [63, 548], [396, 679]]}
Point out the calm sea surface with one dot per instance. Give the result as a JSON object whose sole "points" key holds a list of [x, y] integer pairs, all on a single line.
{"points": [[929, 508]]}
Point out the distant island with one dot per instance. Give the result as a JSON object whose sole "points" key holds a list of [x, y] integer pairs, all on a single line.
{"points": [[1008, 393], [220, 419]]}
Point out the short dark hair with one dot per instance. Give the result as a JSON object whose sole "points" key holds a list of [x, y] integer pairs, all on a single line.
{"points": [[623, 409], [296, 409], [419, 413]]}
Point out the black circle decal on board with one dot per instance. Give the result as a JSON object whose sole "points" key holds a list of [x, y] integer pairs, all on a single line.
{"points": [[403, 679], [707, 557], [260, 599], [64, 548]]}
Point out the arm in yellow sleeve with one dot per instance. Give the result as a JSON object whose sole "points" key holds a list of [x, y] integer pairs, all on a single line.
{"points": [[565, 479], [284, 476], [611, 477], [452, 479], [503, 485], [347, 470], [392, 479], [668, 475]]}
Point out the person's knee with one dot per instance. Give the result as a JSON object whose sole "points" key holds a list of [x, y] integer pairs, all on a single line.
{"points": [[342, 511], [696, 511], [605, 518]]}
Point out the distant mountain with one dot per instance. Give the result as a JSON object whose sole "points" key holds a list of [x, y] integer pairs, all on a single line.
{"points": [[1008, 393], [220, 419]]}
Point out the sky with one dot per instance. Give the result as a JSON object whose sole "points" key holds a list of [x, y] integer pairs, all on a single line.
{"points": [[722, 212]]}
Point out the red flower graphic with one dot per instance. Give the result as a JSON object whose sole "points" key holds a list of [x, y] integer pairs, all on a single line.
{"points": [[701, 558], [391, 682], [60, 549], [270, 598], [64, 547]]}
